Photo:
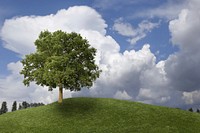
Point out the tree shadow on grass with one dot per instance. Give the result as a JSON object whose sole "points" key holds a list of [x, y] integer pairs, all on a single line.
{"points": [[77, 106]]}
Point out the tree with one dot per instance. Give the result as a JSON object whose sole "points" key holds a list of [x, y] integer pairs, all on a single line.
{"points": [[4, 108], [198, 111], [190, 109], [63, 60], [20, 107], [25, 105], [14, 106]]}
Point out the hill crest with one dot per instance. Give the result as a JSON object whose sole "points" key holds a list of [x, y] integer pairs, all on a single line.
{"points": [[100, 115]]}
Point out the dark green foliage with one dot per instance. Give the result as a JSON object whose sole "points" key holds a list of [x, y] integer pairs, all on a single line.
{"points": [[20, 107], [4, 108], [14, 106], [36, 104], [190, 109], [198, 111], [25, 105], [33, 105], [61, 59]]}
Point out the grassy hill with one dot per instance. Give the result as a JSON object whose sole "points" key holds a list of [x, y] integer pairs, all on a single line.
{"points": [[99, 115]]}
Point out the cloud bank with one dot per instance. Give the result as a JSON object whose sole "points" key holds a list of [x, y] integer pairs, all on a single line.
{"points": [[182, 68]]}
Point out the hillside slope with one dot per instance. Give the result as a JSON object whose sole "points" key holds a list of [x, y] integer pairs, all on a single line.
{"points": [[89, 115]]}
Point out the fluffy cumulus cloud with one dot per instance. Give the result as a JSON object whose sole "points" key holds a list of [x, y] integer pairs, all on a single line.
{"points": [[134, 34], [19, 33], [131, 75], [154, 84], [177, 78], [191, 97], [182, 68]]}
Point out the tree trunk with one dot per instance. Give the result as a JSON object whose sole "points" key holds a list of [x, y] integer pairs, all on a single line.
{"points": [[60, 99]]}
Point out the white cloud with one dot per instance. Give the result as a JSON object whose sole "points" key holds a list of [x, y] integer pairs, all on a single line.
{"points": [[134, 75], [19, 33], [104, 44], [123, 28], [191, 97], [183, 67], [122, 95], [4, 11], [134, 34], [154, 85], [186, 30]]}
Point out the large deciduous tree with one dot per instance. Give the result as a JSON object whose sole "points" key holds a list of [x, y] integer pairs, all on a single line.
{"points": [[63, 60]]}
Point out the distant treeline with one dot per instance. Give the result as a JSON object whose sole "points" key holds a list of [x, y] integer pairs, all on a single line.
{"points": [[192, 110], [23, 105]]}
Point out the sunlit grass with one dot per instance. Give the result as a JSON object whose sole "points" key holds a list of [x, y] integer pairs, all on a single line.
{"points": [[89, 115]]}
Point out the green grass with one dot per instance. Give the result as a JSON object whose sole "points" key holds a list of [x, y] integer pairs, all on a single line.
{"points": [[100, 115]]}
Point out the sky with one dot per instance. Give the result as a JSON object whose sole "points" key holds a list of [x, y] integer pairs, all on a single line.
{"points": [[148, 50]]}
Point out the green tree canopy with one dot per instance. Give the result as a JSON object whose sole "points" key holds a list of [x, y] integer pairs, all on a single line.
{"points": [[63, 60]]}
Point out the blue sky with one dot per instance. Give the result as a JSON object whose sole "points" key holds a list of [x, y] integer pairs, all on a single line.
{"points": [[151, 38], [110, 11]]}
